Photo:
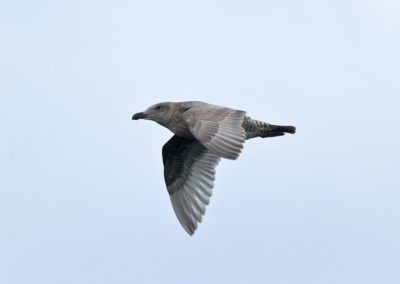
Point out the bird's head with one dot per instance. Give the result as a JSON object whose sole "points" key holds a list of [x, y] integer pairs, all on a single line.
{"points": [[160, 113]]}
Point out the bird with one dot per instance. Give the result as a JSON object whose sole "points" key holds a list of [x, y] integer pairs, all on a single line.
{"points": [[203, 134]]}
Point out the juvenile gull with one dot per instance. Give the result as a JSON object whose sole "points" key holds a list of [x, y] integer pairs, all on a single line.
{"points": [[204, 134]]}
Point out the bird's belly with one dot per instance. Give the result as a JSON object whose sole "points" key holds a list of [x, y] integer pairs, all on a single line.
{"points": [[182, 131], [184, 134]]}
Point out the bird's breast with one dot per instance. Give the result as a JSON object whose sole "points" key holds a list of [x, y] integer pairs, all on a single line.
{"points": [[180, 128]]}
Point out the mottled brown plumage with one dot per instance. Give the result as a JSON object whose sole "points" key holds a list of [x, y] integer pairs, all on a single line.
{"points": [[204, 134]]}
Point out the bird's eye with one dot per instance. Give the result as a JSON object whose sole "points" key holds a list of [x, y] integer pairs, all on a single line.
{"points": [[158, 107]]}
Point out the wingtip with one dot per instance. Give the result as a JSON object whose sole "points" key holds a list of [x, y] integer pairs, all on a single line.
{"points": [[189, 230]]}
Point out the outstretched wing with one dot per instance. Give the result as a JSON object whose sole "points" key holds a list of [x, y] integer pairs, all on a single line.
{"points": [[219, 129], [189, 172]]}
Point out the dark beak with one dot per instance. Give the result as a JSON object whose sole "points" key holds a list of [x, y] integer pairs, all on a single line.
{"points": [[139, 115]]}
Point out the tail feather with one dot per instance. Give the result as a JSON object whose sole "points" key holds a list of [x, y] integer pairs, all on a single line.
{"points": [[286, 129], [276, 130], [255, 128], [265, 134]]}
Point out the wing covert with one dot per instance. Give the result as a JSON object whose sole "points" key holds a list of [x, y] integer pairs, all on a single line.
{"points": [[219, 129]]}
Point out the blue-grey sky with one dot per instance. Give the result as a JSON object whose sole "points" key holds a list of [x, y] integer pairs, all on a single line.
{"points": [[82, 196]]}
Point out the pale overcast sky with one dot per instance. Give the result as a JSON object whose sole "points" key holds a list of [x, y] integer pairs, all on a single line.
{"points": [[82, 196]]}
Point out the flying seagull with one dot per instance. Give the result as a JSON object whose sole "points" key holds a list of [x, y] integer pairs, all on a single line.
{"points": [[204, 134]]}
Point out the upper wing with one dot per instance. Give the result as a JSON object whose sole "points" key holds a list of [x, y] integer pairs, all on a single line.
{"points": [[219, 129], [189, 172]]}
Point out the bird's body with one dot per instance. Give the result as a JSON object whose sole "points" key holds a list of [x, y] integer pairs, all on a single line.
{"points": [[204, 133], [178, 124]]}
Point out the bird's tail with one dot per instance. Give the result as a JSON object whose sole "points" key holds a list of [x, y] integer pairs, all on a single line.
{"points": [[283, 128], [255, 128]]}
